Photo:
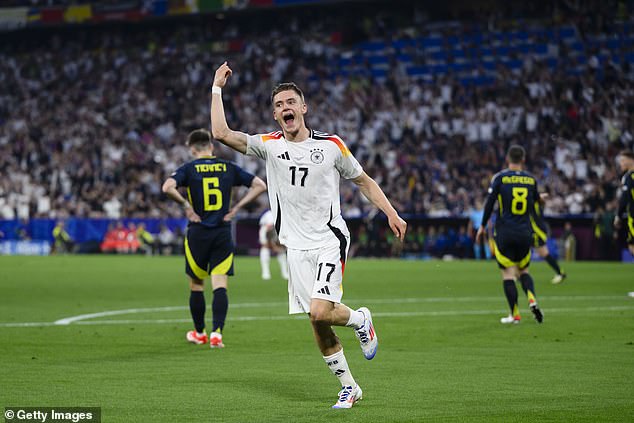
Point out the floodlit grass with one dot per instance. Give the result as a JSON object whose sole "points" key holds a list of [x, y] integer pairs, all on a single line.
{"points": [[443, 354]]}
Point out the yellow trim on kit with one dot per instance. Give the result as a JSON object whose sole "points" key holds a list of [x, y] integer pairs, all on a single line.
{"points": [[504, 261], [630, 224], [507, 262], [500, 201], [198, 271], [516, 311], [224, 266], [541, 234]]}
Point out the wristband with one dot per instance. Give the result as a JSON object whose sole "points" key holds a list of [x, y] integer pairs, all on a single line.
{"points": [[186, 205], [216, 90]]}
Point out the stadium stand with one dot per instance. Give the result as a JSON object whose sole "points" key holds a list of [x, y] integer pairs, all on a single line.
{"points": [[92, 118]]}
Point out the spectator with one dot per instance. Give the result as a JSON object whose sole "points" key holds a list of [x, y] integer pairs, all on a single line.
{"points": [[95, 115]]}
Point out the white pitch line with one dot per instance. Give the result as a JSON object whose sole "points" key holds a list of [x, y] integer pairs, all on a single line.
{"points": [[75, 319], [571, 310], [69, 320]]}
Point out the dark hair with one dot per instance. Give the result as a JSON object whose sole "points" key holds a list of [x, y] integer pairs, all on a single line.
{"points": [[286, 86], [516, 154], [626, 153], [199, 138]]}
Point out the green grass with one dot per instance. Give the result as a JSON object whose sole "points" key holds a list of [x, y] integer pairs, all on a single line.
{"points": [[443, 355]]}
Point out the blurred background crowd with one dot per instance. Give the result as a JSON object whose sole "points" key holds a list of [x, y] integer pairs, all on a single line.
{"points": [[94, 118]]}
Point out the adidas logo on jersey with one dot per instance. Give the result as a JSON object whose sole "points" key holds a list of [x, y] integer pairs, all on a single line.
{"points": [[284, 156], [324, 291]]}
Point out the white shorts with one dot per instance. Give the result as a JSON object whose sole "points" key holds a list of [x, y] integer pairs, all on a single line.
{"points": [[315, 273], [262, 235]]}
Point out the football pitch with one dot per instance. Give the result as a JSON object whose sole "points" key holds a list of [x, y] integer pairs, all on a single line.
{"points": [[109, 332]]}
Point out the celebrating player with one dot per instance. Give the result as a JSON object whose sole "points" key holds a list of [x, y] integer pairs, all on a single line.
{"points": [[208, 243], [303, 168], [516, 192], [626, 201]]}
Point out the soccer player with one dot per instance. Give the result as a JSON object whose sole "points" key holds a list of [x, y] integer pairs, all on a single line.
{"points": [[270, 242], [208, 243], [62, 242], [303, 168], [540, 236], [626, 202], [516, 192]]}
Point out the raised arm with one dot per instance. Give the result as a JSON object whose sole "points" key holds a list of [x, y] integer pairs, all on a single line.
{"points": [[257, 187], [375, 194], [219, 128]]}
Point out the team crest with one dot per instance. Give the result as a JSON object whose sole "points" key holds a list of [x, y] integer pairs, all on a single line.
{"points": [[317, 156]]}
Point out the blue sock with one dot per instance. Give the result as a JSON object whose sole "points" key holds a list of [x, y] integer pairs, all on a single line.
{"points": [[553, 263], [510, 290], [197, 309], [219, 309]]}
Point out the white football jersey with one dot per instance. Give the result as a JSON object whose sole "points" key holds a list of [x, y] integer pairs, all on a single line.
{"points": [[303, 184]]}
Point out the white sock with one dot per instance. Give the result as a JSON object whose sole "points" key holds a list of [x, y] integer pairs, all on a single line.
{"points": [[281, 259], [265, 261], [356, 319], [339, 367]]}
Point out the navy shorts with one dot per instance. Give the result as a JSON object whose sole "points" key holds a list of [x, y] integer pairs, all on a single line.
{"points": [[512, 249], [208, 251]]}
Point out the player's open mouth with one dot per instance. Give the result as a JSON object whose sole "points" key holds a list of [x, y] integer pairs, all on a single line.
{"points": [[288, 118]]}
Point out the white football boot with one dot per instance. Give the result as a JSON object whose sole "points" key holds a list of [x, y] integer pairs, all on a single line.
{"points": [[367, 335], [510, 320], [348, 396]]}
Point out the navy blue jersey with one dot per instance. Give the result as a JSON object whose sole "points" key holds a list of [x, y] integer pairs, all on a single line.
{"points": [[209, 182], [518, 200], [540, 227], [626, 201]]}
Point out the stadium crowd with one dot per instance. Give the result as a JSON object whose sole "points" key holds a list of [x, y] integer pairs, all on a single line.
{"points": [[92, 120]]}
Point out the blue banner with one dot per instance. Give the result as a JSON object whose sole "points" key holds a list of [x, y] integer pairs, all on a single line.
{"points": [[25, 248], [80, 230]]}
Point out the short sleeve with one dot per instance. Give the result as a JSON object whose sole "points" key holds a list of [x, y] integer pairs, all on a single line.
{"points": [[255, 146], [346, 164], [242, 177], [180, 176]]}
